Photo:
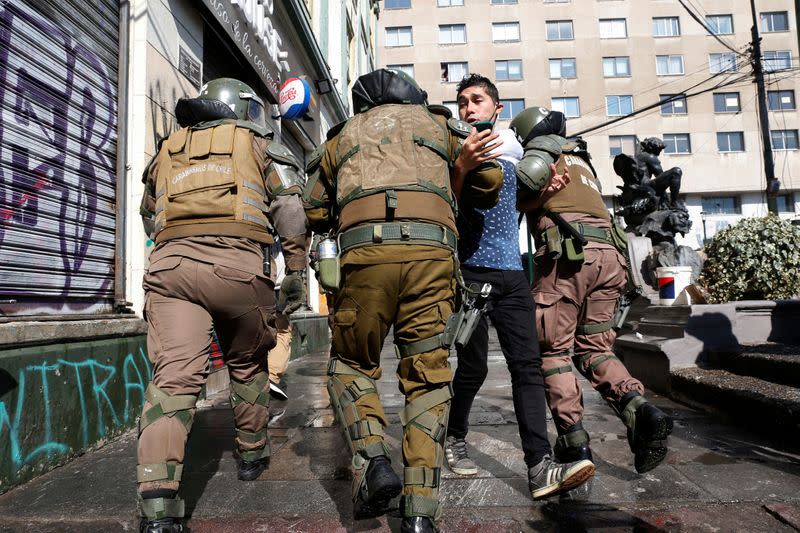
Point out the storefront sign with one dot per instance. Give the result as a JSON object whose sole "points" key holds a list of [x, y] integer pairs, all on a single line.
{"points": [[250, 24]]}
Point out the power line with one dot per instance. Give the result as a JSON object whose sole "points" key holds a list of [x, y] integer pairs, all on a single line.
{"points": [[705, 26]]}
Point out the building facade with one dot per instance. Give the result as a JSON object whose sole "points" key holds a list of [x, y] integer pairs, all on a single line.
{"points": [[600, 60]]}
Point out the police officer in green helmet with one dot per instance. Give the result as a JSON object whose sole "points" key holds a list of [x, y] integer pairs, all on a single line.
{"points": [[581, 271], [215, 193], [386, 186]]}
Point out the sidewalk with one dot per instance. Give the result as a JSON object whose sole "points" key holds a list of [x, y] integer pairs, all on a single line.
{"points": [[717, 477]]}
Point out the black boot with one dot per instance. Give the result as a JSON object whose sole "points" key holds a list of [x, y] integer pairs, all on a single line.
{"points": [[417, 524], [572, 445], [648, 429], [167, 524], [380, 485], [162, 525], [250, 470]]}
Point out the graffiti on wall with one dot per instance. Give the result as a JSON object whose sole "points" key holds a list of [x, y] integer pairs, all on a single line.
{"points": [[57, 159], [47, 390]]}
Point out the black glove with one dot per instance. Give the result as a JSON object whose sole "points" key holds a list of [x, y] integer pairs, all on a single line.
{"points": [[292, 295]]}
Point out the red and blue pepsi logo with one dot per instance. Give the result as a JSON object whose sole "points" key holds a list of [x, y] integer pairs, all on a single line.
{"points": [[294, 98], [666, 288]]}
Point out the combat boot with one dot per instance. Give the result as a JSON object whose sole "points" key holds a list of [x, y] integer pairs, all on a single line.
{"points": [[250, 470], [648, 429], [162, 525], [379, 486], [417, 524], [572, 445]]}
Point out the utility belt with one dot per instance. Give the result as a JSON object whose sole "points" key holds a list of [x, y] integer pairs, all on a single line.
{"points": [[329, 248], [397, 233], [560, 245]]}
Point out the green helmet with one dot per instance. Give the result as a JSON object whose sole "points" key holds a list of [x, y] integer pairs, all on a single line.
{"points": [[238, 96], [535, 121]]}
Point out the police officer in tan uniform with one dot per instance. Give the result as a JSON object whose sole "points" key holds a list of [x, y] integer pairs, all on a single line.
{"points": [[212, 194], [576, 289], [386, 183]]}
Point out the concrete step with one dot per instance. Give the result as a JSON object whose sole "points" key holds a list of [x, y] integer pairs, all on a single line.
{"points": [[778, 363], [747, 400]]}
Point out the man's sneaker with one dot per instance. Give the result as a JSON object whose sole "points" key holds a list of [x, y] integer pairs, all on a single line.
{"points": [[455, 450], [549, 478], [278, 390]]}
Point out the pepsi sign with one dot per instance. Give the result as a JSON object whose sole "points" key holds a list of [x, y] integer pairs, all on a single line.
{"points": [[294, 98]]}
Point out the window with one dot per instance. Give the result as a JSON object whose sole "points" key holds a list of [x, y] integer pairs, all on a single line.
{"points": [[726, 103], [568, 105], [397, 4], [408, 69], [453, 72], [452, 105], [449, 3], [676, 105], [677, 143], [777, 60], [666, 27], [508, 69], [720, 24], [399, 36], [785, 202], [613, 29], [780, 100], [616, 67], [452, 34], [621, 144], [721, 205], [784, 139], [724, 62], [503, 2], [556, 1], [730, 141], [559, 30], [563, 67], [511, 108], [671, 65], [774, 21], [505, 32], [617, 106]]}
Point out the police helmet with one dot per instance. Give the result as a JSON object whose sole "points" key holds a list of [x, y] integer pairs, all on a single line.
{"points": [[386, 86], [222, 98], [535, 121]]}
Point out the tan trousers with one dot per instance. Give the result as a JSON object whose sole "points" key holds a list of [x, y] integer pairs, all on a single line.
{"points": [[278, 357], [568, 293], [184, 300], [416, 298]]}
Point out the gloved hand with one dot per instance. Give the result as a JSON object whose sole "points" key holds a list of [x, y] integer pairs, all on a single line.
{"points": [[293, 292]]}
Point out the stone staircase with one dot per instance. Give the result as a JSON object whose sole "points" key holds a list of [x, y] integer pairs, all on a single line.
{"points": [[741, 360]]}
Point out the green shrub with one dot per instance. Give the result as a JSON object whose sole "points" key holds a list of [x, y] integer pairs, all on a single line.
{"points": [[757, 259]]}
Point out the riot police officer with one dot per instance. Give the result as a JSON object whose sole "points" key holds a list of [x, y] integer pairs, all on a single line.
{"points": [[386, 185], [576, 289], [212, 195]]}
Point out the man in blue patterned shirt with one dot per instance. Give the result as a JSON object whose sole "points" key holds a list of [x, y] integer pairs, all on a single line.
{"points": [[489, 252]]}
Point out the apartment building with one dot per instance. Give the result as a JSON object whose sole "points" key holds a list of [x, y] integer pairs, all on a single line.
{"points": [[683, 68]]}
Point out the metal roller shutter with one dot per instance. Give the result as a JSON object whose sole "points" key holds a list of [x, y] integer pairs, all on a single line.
{"points": [[58, 142]]}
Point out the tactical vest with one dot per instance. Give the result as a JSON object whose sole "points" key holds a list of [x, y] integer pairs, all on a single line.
{"points": [[209, 182], [582, 193], [393, 163]]}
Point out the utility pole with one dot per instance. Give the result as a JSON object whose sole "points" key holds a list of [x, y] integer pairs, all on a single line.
{"points": [[773, 185]]}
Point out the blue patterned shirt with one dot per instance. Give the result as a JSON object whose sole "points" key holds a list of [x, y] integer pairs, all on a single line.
{"points": [[489, 238]]}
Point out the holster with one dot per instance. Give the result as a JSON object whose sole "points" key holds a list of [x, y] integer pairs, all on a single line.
{"points": [[553, 242]]}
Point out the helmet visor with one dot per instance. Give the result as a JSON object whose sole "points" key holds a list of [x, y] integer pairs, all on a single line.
{"points": [[255, 109]]}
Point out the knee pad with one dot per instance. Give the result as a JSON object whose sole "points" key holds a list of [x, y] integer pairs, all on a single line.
{"points": [[178, 406], [343, 395], [256, 392]]}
